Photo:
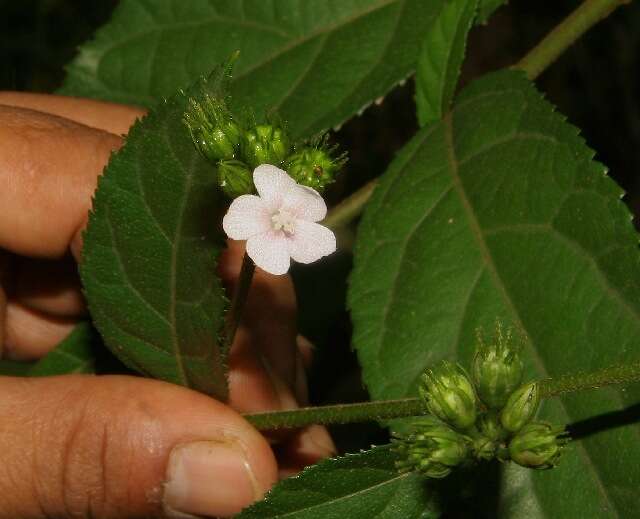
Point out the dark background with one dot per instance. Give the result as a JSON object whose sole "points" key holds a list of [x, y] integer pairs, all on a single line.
{"points": [[595, 83]]}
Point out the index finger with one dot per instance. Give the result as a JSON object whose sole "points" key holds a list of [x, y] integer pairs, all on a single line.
{"points": [[48, 171]]}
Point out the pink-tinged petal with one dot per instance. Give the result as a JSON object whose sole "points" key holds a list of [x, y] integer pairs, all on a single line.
{"points": [[247, 216], [310, 242], [270, 252], [306, 203], [272, 183]]}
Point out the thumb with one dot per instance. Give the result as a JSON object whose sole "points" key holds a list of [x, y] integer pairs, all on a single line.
{"points": [[119, 447]]}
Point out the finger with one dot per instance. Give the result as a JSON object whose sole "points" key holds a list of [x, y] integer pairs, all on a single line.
{"points": [[110, 117], [48, 286], [30, 335], [309, 446], [48, 170], [121, 447]]}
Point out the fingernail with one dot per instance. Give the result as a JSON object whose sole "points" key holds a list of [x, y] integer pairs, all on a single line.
{"points": [[208, 478]]}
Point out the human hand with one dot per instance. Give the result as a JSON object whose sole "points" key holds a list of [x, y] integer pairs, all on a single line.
{"points": [[116, 446]]}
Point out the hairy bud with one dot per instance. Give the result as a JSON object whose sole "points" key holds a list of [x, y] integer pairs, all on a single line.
{"points": [[314, 167], [265, 144], [538, 445], [497, 368], [214, 132], [432, 448], [235, 178], [521, 407], [448, 394]]}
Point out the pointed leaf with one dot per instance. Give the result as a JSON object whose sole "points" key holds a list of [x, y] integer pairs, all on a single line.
{"points": [[500, 211], [356, 485], [149, 265], [441, 57], [316, 62]]}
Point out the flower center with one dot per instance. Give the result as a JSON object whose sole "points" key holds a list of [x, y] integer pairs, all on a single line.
{"points": [[283, 220]]}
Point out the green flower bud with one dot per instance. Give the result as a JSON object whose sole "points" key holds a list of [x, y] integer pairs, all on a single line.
{"points": [[433, 449], [489, 426], [235, 178], [314, 167], [484, 448], [538, 445], [497, 369], [215, 135], [448, 394], [520, 407], [265, 144]]}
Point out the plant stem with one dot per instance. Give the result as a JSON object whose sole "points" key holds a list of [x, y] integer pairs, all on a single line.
{"points": [[564, 35], [237, 303], [350, 208], [406, 407], [338, 414], [620, 374]]}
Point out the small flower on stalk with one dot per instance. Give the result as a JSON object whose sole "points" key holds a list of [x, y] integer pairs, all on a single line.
{"points": [[538, 445], [214, 132], [448, 394], [521, 407], [265, 144], [234, 177], [432, 448], [314, 166], [497, 368], [280, 223]]}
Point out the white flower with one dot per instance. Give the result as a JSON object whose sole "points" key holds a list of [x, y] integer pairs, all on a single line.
{"points": [[279, 224]]}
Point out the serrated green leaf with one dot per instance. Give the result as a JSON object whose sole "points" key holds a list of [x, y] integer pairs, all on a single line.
{"points": [[441, 57], [486, 9], [316, 61], [75, 354], [353, 486], [149, 256], [500, 211]]}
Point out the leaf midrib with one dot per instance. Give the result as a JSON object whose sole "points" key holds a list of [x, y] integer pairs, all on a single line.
{"points": [[491, 267]]}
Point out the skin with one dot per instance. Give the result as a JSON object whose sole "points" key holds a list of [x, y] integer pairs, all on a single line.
{"points": [[75, 446]]}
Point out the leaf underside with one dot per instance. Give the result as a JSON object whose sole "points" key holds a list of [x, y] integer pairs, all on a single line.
{"points": [[363, 485], [499, 211], [149, 256]]}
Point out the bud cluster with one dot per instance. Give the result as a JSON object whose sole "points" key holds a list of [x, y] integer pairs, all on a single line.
{"points": [[237, 147], [480, 417]]}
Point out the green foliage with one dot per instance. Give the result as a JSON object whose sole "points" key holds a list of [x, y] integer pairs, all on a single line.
{"points": [[499, 211], [356, 485], [149, 265], [440, 59], [316, 63]]}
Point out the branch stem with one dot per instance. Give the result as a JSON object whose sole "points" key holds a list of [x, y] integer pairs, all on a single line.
{"points": [[565, 34], [238, 302], [350, 208], [406, 407]]}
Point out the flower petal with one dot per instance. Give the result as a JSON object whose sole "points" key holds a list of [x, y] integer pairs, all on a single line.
{"points": [[247, 216], [311, 242], [305, 202], [272, 183], [270, 252]]}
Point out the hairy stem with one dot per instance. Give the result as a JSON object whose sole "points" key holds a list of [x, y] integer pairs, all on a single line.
{"points": [[350, 208], [406, 407], [564, 35], [621, 374], [338, 414], [234, 316]]}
